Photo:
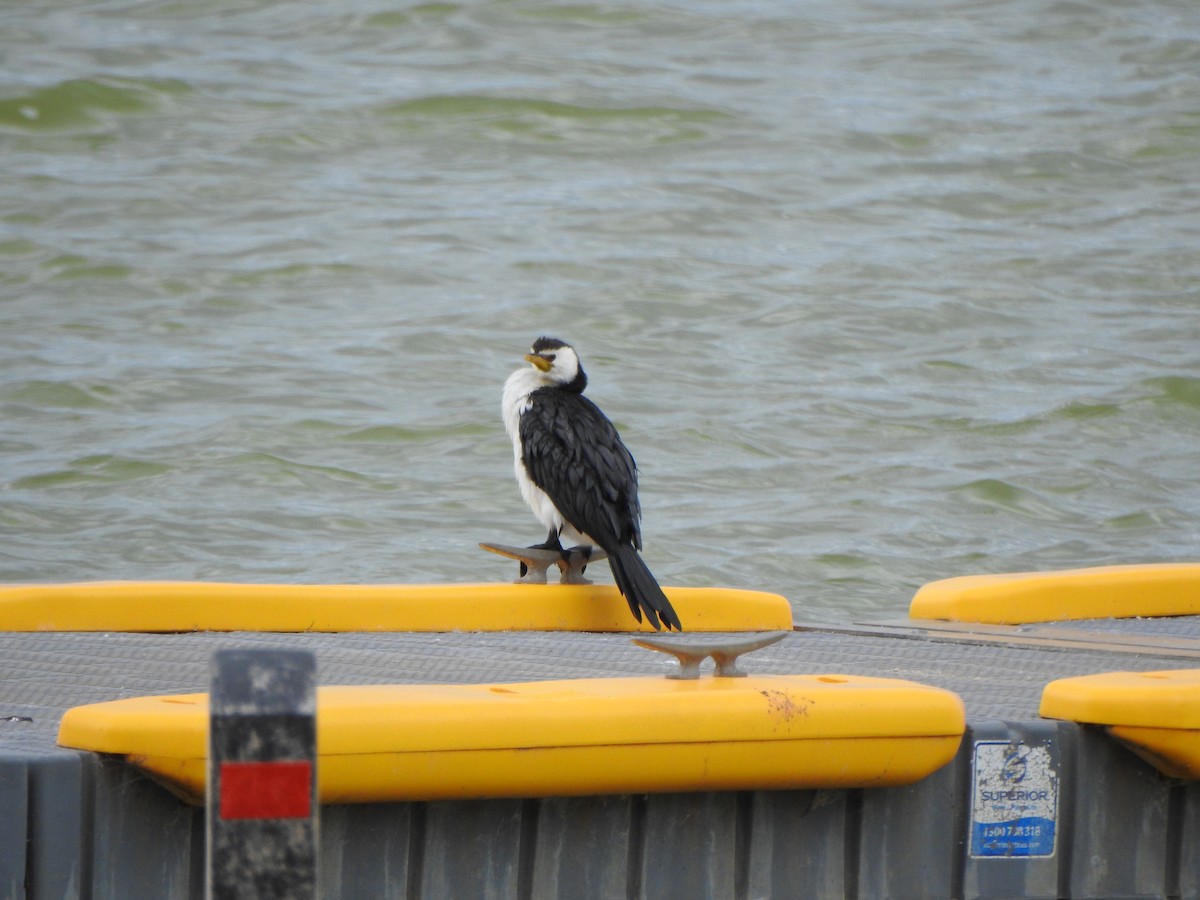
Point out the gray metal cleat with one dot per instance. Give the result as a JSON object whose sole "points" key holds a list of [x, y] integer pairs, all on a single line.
{"points": [[535, 561], [691, 651]]}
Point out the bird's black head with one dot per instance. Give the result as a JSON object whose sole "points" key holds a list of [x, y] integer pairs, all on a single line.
{"points": [[558, 363], [548, 344]]}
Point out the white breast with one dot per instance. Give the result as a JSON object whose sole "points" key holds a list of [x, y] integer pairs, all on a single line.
{"points": [[513, 404]]}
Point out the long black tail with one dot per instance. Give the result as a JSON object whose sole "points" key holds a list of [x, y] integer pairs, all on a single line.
{"points": [[640, 590]]}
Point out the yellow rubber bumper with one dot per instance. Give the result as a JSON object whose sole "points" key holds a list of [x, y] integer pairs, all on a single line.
{"points": [[565, 738], [179, 606], [1155, 714], [1099, 593]]}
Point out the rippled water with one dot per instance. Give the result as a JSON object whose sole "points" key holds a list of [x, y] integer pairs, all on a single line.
{"points": [[878, 293]]}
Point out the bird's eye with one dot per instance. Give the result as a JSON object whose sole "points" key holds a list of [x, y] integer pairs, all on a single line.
{"points": [[550, 357]]}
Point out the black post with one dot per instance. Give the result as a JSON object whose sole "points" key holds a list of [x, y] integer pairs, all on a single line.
{"points": [[262, 774]]}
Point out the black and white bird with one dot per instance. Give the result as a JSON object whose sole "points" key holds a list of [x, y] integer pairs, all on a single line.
{"points": [[576, 474]]}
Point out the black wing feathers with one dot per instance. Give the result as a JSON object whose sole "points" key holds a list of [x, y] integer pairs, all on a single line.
{"points": [[574, 454]]}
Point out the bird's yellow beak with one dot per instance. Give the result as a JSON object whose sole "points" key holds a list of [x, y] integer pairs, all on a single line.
{"points": [[538, 362]]}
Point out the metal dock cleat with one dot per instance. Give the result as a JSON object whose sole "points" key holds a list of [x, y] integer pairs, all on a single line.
{"points": [[535, 561], [691, 651]]}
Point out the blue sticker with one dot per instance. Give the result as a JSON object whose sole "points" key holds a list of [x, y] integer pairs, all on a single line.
{"points": [[1014, 808]]}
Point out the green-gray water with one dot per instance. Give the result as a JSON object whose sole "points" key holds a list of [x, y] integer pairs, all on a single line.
{"points": [[878, 293]]}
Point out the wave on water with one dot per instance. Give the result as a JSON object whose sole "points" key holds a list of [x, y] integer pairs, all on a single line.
{"points": [[84, 104], [540, 120]]}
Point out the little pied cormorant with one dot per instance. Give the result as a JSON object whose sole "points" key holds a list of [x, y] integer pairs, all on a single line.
{"points": [[575, 473]]}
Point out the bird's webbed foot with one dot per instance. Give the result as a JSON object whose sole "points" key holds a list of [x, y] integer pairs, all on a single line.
{"points": [[552, 542]]}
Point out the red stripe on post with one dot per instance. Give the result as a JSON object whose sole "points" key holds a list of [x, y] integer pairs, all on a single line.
{"points": [[266, 790]]}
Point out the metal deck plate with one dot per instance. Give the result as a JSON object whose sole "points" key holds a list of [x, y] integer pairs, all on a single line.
{"points": [[998, 671]]}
